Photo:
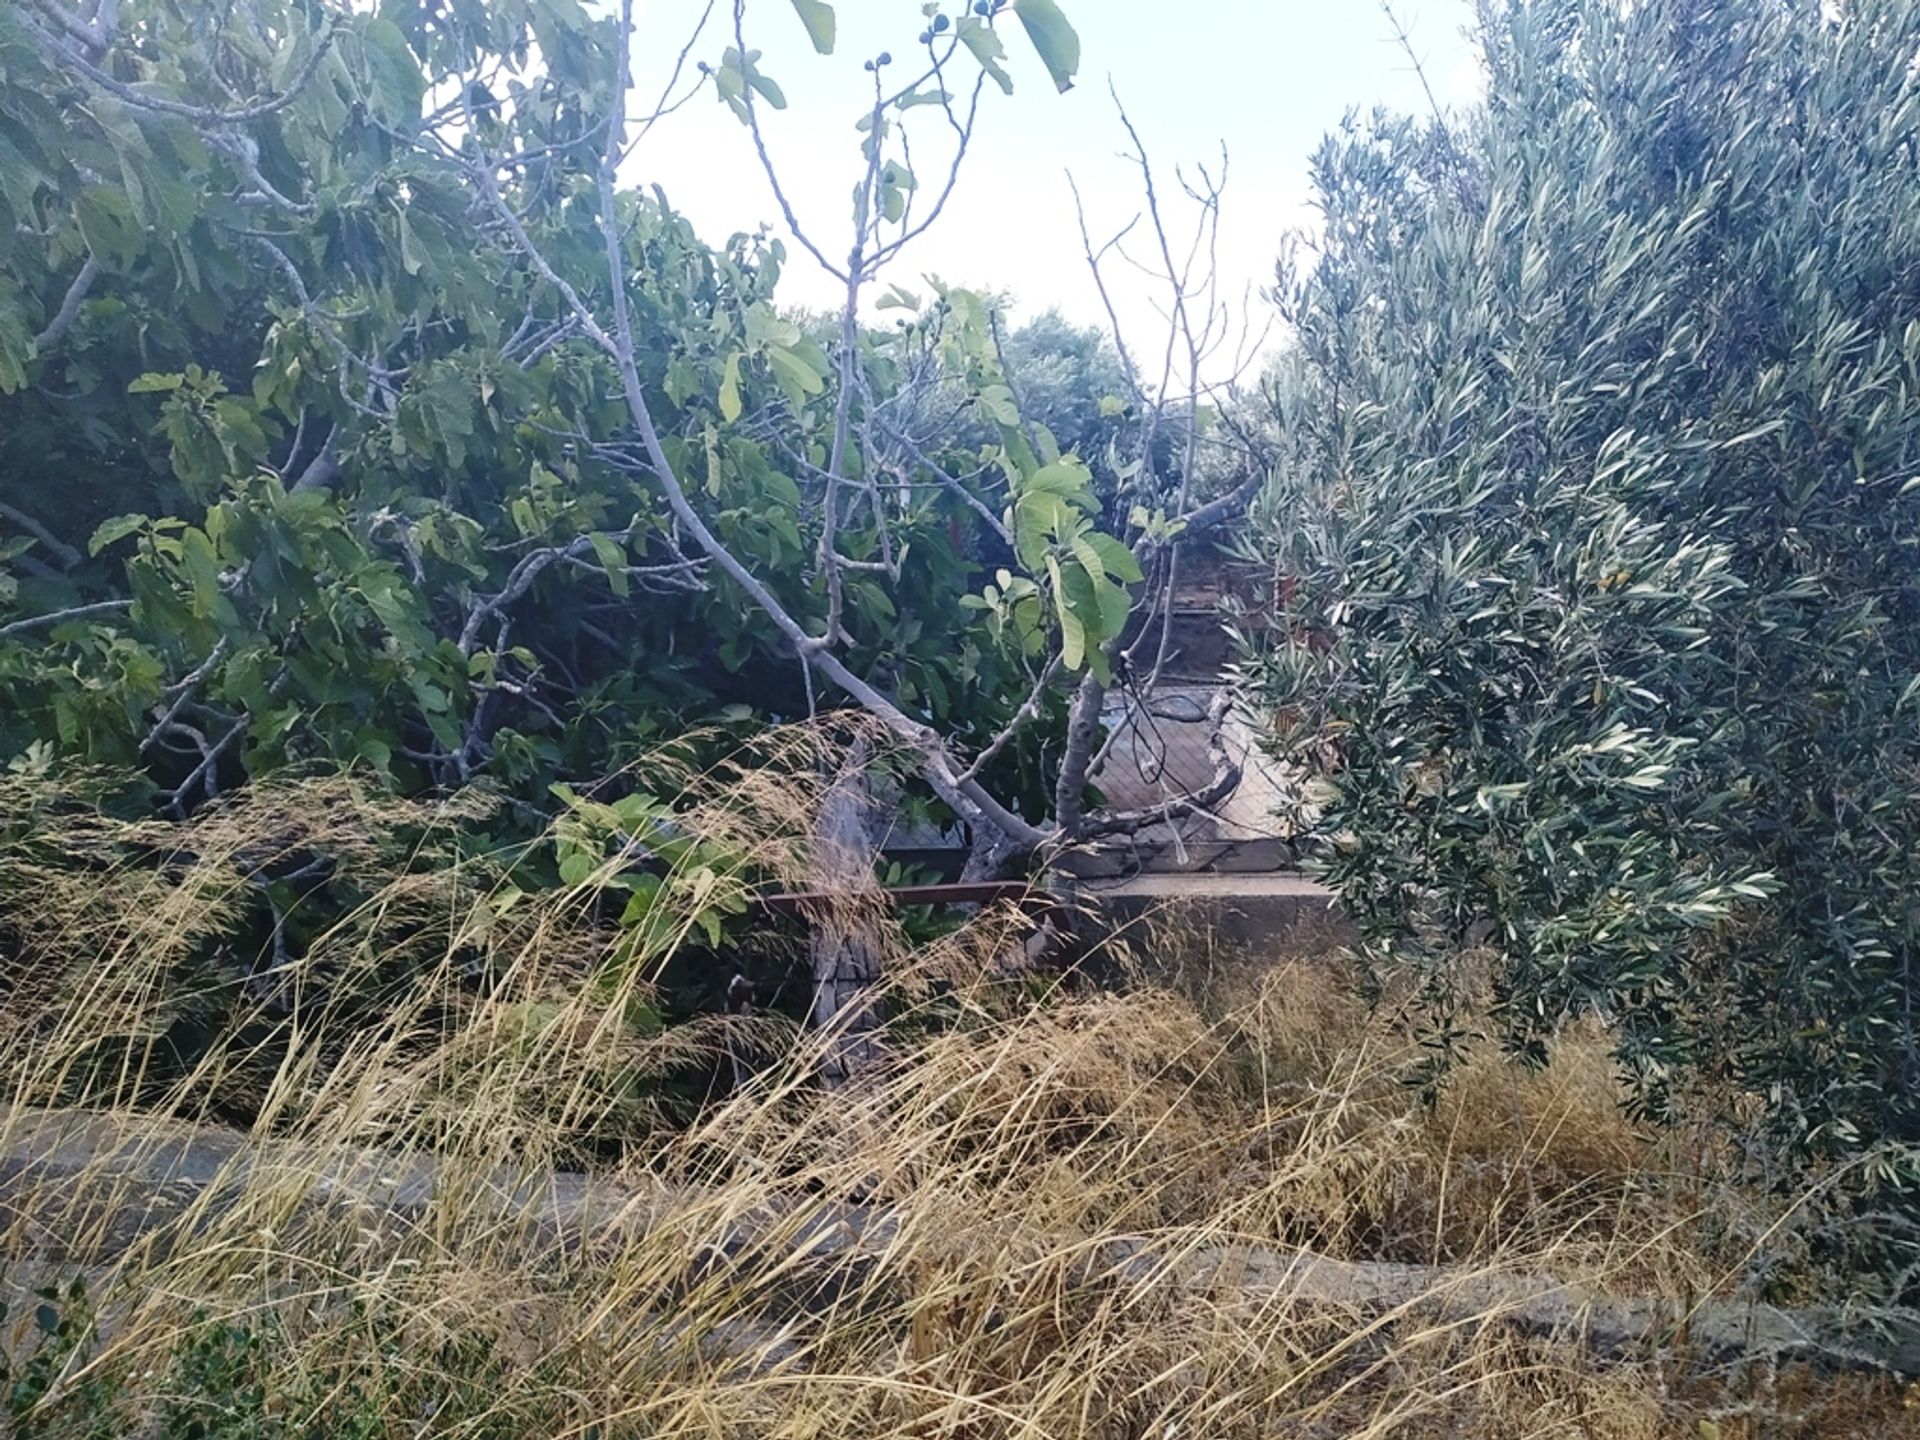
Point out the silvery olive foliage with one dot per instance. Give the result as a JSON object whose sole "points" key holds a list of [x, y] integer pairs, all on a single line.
{"points": [[1597, 613]]}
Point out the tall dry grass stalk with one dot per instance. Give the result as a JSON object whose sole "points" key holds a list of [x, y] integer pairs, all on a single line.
{"points": [[390, 1251]]}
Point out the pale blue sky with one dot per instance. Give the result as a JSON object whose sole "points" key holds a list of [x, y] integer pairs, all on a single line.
{"points": [[1267, 78]]}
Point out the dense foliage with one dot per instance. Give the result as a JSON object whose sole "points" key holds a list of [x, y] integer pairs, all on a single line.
{"points": [[314, 449], [1604, 627]]}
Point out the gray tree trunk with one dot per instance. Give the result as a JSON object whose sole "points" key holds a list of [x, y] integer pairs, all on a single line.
{"points": [[846, 944]]}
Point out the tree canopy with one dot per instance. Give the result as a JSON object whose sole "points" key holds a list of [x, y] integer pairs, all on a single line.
{"points": [[356, 411]]}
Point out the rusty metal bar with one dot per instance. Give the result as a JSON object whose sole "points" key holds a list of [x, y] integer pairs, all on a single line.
{"points": [[802, 902]]}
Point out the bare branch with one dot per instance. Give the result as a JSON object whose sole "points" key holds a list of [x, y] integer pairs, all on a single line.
{"points": [[589, 323], [206, 774], [1100, 283], [766, 160], [77, 612], [618, 343], [666, 105], [557, 336], [380, 378], [321, 471], [1227, 507], [1196, 325], [531, 566], [183, 694], [1027, 713], [245, 154], [907, 236], [82, 31], [69, 310], [61, 551], [951, 482], [679, 576]]}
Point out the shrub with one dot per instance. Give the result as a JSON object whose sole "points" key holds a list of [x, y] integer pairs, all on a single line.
{"points": [[1600, 625]]}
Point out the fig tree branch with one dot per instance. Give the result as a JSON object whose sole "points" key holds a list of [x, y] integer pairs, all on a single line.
{"points": [[69, 310]]}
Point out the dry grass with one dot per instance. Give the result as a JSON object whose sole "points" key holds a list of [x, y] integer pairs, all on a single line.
{"points": [[916, 1256]]}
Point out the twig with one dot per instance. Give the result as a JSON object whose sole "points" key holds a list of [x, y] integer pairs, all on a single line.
{"points": [[1454, 156], [1100, 283], [379, 377], [530, 567], [207, 773], [1028, 712], [766, 160], [77, 612], [665, 105], [183, 694]]}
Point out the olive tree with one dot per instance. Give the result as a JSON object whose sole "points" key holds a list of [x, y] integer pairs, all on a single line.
{"points": [[1598, 620]]}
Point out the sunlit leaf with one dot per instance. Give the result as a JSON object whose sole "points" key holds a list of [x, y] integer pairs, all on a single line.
{"points": [[613, 560], [1056, 41], [818, 17]]}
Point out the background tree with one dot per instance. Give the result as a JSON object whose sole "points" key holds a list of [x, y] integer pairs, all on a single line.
{"points": [[410, 439]]}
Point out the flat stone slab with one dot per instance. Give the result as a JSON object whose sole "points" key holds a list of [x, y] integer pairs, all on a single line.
{"points": [[90, 1185], [79, 1188], [1718, 1332]]}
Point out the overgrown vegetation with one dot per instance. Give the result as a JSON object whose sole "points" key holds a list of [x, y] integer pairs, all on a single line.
{"points": [[934, 1253], [415, 438], [442, 598], [1601, 625]]}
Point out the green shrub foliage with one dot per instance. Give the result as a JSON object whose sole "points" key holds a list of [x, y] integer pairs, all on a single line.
{"points": [[307, 459], [1600, 616]]}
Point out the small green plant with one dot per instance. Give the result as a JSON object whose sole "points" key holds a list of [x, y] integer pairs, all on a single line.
{"points": [[41, 1402]]}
